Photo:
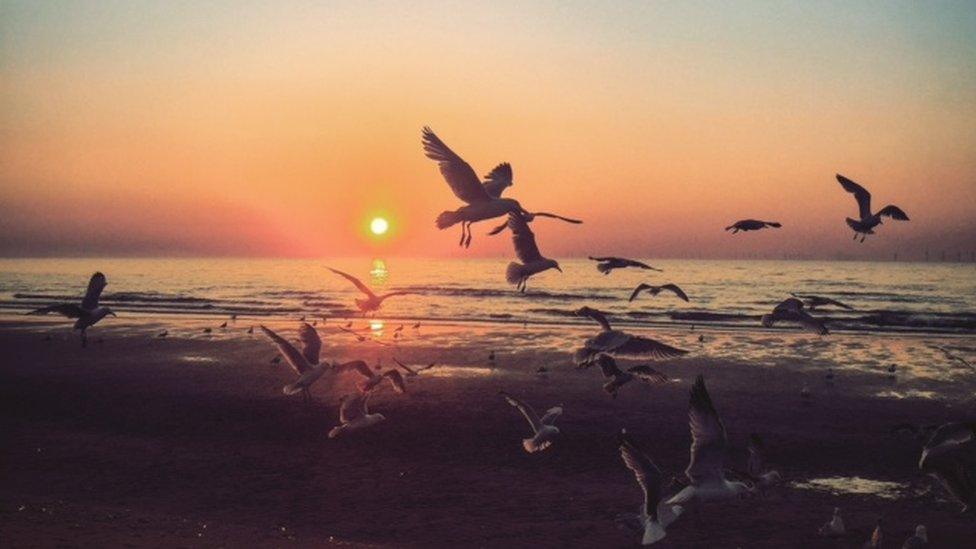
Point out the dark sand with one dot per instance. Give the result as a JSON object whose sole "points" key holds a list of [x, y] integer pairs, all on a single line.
{"points": [[188, 441]]}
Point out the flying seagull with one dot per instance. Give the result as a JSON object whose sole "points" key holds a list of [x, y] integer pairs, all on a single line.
{"points": [[709, 445], [481, 202], [814, 301], [371, 380], [608, 263], [654, 514], [88, 313], [654, 290], [952, 356], [745, 225], [543, 430], [617, 343], [618, 378], [791, 310], [305, 363], [354, 414], [371, 302], [950, 456], [868, 221], [532, 261]]}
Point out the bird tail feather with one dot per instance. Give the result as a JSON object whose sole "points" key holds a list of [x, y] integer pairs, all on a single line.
{"points": [[514, 273], [447, 219]]}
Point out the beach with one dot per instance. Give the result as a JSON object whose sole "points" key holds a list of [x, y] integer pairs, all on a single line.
{"points": [[188, 440]]}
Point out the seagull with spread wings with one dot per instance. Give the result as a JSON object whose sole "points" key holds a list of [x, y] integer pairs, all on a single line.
{"points": [[354, 415], [814, 301], [371, 302], [607, 264], [746, 225], [305, 363], [950, 456], [532, 261], [617, 378], [543, 430], [867, 221], [483, 200], [709, 446], [618, 343], [88, 313], [791, 310], [654, 515], [654, 290]]}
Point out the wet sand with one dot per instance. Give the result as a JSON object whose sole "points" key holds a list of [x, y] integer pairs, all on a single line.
{"points": [[188, 441]]}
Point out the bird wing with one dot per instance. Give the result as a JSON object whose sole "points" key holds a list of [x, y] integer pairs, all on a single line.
{"points": [[956, 468], [641, 264], [648, 474], [811, 323], [599, 316], [789, 305], [291, 354], [757, 456], [358, 283], [893, 212], [497, 179], [551, 414], [522, 238], [647, 374], [69, 310], [353, 407], [96, 284], [677, 291], [357, 366], [708, 437], [608, 366], [396, 380], [527, 411], [459, 175], [391, 294], [639, 345], [640, 288], [404, 366], [861, 194], [311, 344], [559, 217], [606, 258], [838, 303]]}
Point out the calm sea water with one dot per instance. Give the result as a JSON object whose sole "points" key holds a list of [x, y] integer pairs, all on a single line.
{"points": [[911, 297]]}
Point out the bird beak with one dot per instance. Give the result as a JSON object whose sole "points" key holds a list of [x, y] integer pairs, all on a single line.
{"points": [[558, 269]]}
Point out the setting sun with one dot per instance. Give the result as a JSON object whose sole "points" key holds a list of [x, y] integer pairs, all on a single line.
{"points": [[379, 226]]}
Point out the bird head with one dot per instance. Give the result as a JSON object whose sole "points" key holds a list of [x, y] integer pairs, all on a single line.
{"points": [[555, 265]]}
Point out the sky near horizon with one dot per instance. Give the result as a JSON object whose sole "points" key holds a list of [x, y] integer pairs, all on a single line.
{"points": [[282, 128]]}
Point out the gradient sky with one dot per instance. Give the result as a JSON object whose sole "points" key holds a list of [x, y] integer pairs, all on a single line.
{"points": [[271, 128]]}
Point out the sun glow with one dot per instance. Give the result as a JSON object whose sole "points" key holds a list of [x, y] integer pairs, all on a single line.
{"points": [[379, 226]]}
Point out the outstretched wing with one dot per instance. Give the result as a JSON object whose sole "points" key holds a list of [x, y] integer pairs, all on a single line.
{"points": [[358, 283], [708, 437], [96, 284], [838, 303], [551, 414], [396, 380], [311, 344], [404, 366], [894, 212], [357, 366], [69, 310], [522, 238], [677, 291], [640, 264], [554, 216], [498, 179], [647, 374], [648, 474], [608, 366], [861, 194], [458, 173], [291, 354], [353, 407], [527, 411], [640, 288], [643, 346], [606, 258]]}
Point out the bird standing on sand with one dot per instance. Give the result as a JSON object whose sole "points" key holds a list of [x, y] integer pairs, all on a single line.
{"points": [[868, 221], [305, 363], [371, 302], [354, 415], [543, 430], [654, 290], [709, 446], [607, 264], [532, 261], [834, 527], [618, 378], [751, 225], [950, 456], [814, 301], [618, 343], [791, 310], [654, 514], [88, 313]]}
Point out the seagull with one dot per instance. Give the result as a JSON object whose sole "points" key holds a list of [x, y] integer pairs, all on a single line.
{"points": [[162, 334], [868, 221], [814, 301], [618, 378], [709, 445], [305, 363], [411, 371], [654, 290], [354, 414], [918, 539], [532, 261], [791, 310], [372, 380], [371, 302], [481, 201], [654, 514], [88, 312], [607, 264], [751, 225], [950, 456], [543, 430], [617, 343], [834, 527]]}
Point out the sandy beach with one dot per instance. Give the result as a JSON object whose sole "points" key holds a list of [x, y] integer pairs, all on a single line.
{"points": [[188, 440]]}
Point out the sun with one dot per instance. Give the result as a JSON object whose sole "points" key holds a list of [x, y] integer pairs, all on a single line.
{"points": [[379, 226]]}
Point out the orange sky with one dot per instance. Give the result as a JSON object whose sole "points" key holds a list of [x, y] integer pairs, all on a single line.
{"points": [[251, 129]]}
